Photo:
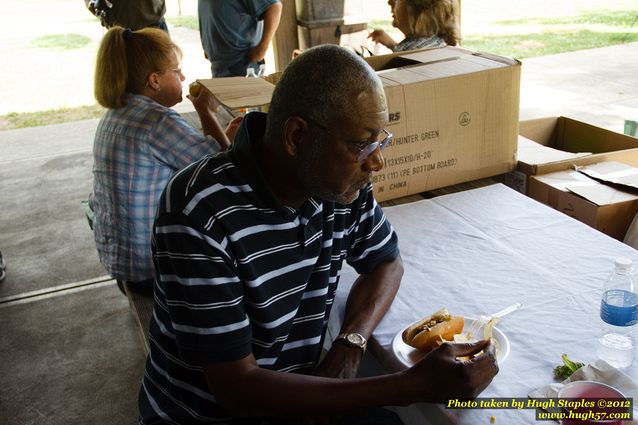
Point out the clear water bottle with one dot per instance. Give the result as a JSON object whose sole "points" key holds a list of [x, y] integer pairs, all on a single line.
{"points": [[619, 313], [262, 70], [250, 72]]}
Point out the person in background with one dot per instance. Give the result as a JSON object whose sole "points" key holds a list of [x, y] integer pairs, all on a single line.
{"points": [[3, 268], [425, 24], [133, 14], [249, 246], [140, 143], [235, 34]]}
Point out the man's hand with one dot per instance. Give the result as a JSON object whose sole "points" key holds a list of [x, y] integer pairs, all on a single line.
{"points": [[272, 15], [442, 374], [257, 53]]}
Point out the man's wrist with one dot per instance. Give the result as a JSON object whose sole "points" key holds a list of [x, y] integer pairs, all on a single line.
{"points": [[354, 340]]}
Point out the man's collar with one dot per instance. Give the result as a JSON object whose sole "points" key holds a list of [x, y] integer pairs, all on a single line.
{"points": [[243, 155]]}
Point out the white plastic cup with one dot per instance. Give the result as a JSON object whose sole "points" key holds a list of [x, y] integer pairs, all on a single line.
{"points": [[602, 395]]}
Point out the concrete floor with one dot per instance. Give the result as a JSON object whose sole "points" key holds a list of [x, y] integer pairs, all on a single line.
{"points": [[69, 350], [70, 358]]}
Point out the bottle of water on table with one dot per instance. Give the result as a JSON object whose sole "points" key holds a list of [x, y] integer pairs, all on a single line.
{"points": [[250, 73], [619, 313]]}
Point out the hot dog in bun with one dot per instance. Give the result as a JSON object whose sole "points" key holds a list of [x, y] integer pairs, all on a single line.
{"points": [[430, 332]]}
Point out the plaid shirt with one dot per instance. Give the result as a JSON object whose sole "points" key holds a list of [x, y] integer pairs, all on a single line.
{"points": [[410, 43], [137, 149]]}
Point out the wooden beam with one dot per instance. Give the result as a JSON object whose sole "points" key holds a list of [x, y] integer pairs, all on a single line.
{"points": [[285, 40]]}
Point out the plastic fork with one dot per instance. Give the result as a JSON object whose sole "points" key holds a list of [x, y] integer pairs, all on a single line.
{"points": [[483, 319]]}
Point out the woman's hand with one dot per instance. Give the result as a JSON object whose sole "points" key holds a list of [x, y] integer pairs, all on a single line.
{"points": [[232, 127], [382, 37], [204, 101]]}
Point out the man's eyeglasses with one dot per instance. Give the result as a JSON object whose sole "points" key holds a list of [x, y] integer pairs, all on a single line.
{"points": [[364, 148]]}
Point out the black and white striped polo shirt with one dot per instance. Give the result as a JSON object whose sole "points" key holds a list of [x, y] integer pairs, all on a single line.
{"points": [[240, 273]]}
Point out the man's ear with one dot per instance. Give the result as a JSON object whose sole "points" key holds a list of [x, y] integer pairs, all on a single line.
{"points": [[295, 129]]}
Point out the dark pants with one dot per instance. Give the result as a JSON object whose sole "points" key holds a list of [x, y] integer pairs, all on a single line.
{"points": [[144, 286], [377, 416]]}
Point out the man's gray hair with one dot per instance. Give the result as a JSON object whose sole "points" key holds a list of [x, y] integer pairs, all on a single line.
{"points": [[319, 84]]}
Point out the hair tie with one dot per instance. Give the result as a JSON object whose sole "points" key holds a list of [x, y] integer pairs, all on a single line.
{"points": [[128, 34]]}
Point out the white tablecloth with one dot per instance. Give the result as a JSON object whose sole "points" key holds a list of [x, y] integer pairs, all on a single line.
{"points": [[478, 251]]}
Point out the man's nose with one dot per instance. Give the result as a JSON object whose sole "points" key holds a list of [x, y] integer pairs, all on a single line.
{"points": [[374, 162]]}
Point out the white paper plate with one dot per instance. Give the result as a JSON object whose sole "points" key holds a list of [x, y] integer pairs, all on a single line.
{"points": [[410, 355]]}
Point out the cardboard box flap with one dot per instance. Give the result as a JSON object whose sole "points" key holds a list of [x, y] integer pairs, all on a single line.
{"points": [[438, 62], [563, 180], [385, 62], [574, 135], [601, 194], [534, 153], [439, 69], [612, 172], [504, 60], [239, 92], [571, 135], [487, 62], [462, 65], [585, 187], [436, 54]]}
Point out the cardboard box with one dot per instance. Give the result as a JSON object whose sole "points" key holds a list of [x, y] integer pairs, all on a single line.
{"points": [[608, 202], [559, 143], [454, 116], [453, 113], [240, 92]]}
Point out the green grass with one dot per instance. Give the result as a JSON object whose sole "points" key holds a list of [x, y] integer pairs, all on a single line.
{"points": [[564, 34], [15, 120], [521, 46], [185, 21], [556, 35], [588, 30], [612, 18], [62, 41]]}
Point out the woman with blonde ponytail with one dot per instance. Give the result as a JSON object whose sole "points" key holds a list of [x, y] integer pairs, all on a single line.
{"points": [[425, 24], [140, 143]]}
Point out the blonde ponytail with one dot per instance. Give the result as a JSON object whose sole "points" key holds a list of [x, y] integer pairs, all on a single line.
{"points": [[126, 58]]}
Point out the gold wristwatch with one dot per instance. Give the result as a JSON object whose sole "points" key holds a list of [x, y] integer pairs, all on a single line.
{"points": [[353, 339]]}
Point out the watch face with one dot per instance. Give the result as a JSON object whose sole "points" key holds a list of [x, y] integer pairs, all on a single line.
{"points": [[355, 339]]}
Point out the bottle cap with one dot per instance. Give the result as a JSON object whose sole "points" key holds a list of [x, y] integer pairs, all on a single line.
{"points": [[623, 263]]}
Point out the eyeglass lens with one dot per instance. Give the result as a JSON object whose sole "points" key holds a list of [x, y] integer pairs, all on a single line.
{"points": [[381, 142]]}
